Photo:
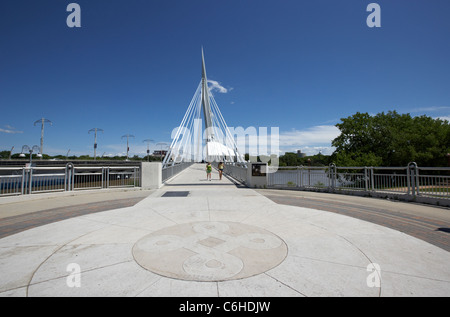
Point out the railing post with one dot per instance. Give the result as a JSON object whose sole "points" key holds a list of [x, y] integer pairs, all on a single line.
{"points": [[73, 178], [329, 177], [103, 174], [301, 175], [412, 169], [65, 178], [309, 176], [23, 181], [417, 179], [333, 176], [30, 180], [366, 179], [68, 177], [372, 186], [408, 180], [107, 177]]}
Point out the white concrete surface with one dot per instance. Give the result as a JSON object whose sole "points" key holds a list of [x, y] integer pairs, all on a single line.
{"points": [[151, 175], [327, 254]]}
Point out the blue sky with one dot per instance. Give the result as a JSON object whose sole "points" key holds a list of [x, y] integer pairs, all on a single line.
{"points": [[133, 67]]}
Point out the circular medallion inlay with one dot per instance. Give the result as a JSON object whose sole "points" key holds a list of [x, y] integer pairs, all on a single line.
{"points": [[210, 251]]}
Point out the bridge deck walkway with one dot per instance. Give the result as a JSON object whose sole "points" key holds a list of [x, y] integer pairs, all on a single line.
{"points": [[194, 237]]}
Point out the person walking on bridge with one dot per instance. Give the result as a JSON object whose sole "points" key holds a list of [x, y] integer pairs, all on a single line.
{"points": [[208, 171], [220, 167]]}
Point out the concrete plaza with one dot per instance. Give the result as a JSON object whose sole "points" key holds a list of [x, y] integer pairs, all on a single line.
{"points": [[194, 237]]}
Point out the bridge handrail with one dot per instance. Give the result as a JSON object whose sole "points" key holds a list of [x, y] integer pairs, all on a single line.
{"points": [[32, 179]]}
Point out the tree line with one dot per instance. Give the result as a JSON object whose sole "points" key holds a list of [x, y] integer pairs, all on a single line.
{"points": [[386, 139], [4, 155]]}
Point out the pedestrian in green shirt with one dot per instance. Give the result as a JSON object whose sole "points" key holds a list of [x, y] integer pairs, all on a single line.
{"points": [[208, 171]]}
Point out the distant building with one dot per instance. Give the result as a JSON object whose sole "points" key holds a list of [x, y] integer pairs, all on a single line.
{"points": [[300, 154], [160, 153]]}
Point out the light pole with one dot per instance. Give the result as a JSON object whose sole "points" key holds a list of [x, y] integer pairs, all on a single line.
{"points": [[127, 136], [42, 121], [30, 150], [95, 140], [148, 148], [29, 171]]}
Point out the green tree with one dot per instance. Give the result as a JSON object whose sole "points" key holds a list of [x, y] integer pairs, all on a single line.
{"points": [[391, 139], [289, 159], [292, 159], [4, 155]]}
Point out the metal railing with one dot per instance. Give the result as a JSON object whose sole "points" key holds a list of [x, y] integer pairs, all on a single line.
{"points": [[31, 180], [105, 177], [298, 176], [434, 185], [410, 180], [123, 177], [87, 178], [11, 180], [44, 179], [237, 171], [170, 171]]}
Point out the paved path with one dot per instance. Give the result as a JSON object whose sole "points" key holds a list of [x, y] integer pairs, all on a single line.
{"points": [[429, 223], [18, 216], [216, 239]]}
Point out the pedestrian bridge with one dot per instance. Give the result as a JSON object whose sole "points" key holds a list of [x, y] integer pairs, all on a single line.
{"points": [[193, 237], [409, 183]]}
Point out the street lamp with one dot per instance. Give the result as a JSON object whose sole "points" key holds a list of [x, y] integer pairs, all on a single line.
{"points": [[148, 148], [35, 148], [127, 136], [95, 140], [42, 121]]}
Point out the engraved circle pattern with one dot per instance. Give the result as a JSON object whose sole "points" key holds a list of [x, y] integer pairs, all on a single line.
{"points": [[210, 251]]}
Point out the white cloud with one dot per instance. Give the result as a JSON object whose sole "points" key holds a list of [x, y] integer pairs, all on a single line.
{"points": [[216, 86], [443, 118], [10, 129], [321, 135], [429, 109], [310, 141]]}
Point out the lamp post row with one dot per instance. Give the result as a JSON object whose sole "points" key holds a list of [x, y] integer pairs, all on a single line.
{"points": [[40, 149]]}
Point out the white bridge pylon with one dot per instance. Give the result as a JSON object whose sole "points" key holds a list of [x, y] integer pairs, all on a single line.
{"points": [[192, 143]]}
